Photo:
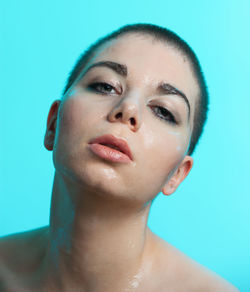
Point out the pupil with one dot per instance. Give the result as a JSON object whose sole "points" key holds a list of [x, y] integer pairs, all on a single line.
{"points": [[107, 87], [163, 110]]}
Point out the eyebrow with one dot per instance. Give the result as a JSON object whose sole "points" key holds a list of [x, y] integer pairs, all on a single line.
{"points": [[164, 88], [118, 68]]}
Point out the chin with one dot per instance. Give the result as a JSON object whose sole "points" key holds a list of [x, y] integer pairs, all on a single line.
{"points": [[93, 177]]}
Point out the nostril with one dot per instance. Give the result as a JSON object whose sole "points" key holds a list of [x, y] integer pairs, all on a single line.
{"points": [[132, 121], [118, 115]]}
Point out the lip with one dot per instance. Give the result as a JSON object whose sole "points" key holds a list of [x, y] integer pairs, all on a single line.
{"points": [[100, 146]]}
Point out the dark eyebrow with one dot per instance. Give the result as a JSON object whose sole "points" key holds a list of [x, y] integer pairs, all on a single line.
{"points": [[118, 68], [166, 88]]}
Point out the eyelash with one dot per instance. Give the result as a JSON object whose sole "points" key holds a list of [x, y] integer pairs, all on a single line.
{"points": [[94, 86], [168, 115]]}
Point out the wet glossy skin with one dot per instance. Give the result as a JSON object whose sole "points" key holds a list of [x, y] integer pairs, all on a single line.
{"points": [[156, 144], [98, 239], [117, 197]]}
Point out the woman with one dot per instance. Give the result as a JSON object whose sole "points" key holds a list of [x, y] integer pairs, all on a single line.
{"points": [[129, 119]]}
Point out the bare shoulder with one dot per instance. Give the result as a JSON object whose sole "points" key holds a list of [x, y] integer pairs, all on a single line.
{"points": [[181, 273], [19, 253], [13, 245]]}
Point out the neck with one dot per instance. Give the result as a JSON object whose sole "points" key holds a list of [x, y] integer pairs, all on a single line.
{"points": [[98, 242]]}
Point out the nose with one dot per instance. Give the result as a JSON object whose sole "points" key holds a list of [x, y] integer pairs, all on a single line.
{"points": [[127, 111]]}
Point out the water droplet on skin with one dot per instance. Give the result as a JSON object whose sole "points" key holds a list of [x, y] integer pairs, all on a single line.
{"points": [[135, 282], [110, 174], [174, 133]]}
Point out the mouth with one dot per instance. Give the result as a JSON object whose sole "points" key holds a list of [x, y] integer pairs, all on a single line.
{"points": [[111, 148]]}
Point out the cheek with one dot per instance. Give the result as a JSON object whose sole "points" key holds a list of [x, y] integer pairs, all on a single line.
{"points": [[179, 144], [169, 143], [71, 117], [73, 126], [164, 150], [76, 119], [171, 149]]}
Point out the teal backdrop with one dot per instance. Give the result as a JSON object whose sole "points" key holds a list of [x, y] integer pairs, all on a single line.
{"points": [[208, 217]]}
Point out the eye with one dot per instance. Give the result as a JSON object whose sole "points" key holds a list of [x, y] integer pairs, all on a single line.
{"points": [[163, 113], [102, 87]]}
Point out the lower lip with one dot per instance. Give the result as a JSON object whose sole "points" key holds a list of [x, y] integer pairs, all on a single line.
{"points": [[108, 153]]}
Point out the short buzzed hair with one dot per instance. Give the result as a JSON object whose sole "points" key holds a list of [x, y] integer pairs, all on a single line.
{"points": [[164, 35]]}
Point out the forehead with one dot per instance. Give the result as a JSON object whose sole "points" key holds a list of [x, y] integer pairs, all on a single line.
{"points": [[149, 62]]}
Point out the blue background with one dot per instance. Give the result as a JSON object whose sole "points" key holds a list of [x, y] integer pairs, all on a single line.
{"points": [[208, 216]]}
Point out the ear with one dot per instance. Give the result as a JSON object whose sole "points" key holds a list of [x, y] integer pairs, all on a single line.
{"points": [[178, 176], [51, 125]]}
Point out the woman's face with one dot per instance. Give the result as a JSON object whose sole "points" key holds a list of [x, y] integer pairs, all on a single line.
{"points": [[129, 104]]}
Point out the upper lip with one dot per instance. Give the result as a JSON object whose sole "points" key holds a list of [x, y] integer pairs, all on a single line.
{"points": [[112, 140]]}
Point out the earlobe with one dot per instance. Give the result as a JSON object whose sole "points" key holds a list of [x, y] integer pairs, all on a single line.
{"points": [[179, 175], [51, 125]]}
